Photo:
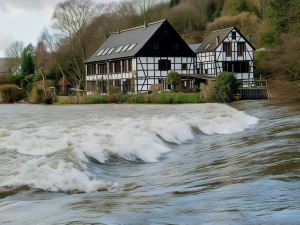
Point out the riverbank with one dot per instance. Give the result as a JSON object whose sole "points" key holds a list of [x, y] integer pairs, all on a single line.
{"points": [[158, 98], [284, 90]]}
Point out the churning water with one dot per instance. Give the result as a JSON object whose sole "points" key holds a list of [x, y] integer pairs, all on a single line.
{"points": [[150, 164]]}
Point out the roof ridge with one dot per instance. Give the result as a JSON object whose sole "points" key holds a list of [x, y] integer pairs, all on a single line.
{"points": [[138, 27], [223, 29]]}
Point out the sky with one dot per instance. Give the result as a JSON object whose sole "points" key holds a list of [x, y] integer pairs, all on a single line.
{"points": [[24, 20]]}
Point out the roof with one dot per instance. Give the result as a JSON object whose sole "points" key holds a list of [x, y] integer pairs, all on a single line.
{"points": [[5, 68], [195, 46], [132, 41], [210, 44]]}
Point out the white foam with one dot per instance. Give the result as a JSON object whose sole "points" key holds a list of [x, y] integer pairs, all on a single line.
{"points": [[55, 176], [139, 138]]}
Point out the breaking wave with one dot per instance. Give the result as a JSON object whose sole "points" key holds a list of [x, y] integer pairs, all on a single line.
{"points": [[59, 152]]}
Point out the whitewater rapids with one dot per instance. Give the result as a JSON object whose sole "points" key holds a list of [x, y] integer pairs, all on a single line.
{"points": [[51, 152]]}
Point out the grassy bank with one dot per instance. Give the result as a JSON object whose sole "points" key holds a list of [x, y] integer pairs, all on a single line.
{"points": [[161, 98], [284, 90]]}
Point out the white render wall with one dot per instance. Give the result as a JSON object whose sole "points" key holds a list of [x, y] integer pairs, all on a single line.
{"points": [[148, 72]]}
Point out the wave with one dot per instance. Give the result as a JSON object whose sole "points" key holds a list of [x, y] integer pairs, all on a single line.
{"points": [[142, 138]]}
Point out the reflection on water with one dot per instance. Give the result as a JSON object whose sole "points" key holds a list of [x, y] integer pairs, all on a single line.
{"points": [[148, 164]]}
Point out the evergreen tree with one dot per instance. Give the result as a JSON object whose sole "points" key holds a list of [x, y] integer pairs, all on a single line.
{"points": [[27, 63], [174, 3]]}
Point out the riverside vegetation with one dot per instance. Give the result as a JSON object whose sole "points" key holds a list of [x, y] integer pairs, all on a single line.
{"points": [[275, 26]]}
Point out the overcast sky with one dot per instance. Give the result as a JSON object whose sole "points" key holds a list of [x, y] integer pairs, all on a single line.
{"points": [[25, 19]]}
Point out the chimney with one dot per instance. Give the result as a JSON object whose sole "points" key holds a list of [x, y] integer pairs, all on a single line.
{"points": [[218, 40], [250, 38]]}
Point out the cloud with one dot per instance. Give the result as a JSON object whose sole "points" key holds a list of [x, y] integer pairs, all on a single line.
{"points": [[5, 41]]}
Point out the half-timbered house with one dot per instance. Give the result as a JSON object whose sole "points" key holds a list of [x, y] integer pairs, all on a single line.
{"points": [[225, 50], [133, 60]]}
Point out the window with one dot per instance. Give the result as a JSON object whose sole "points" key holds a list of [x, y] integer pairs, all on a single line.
{"points": [[119, 49], [131, 47], [241, 48], [164, 65], [129, 65], [236, 67], [103, 86], [124, 66], [102, 69], [101, 51], [227, 49], [117, 83], [156, 46], [184, 66], [91, 69], [233, 35], [117, 66], [111, 67], [207, 46], [125, 48], [105, 51], [91, 86], [127, 85], [110, 51]]}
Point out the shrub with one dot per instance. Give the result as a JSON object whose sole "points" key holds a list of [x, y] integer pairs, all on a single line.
{"points": [[9, 92], [95, 100], [225, 87], [173, 79], [208, 91], [5, 79], [175, 98]]}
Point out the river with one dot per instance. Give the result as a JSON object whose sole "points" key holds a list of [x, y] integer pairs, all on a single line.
{"points": [[150, 164]]}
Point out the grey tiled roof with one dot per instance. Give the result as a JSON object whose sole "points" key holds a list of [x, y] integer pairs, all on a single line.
{"points": [[138, 35], [195, 46], [210, 43]]}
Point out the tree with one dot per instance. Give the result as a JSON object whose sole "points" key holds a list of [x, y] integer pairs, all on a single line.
{"points": [[14, 51], [225, 87], [143, 7], [174, 3], [27, 63], [71, 18], [173, 79]]}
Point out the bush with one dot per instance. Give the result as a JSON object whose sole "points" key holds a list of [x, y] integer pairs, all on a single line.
{"points": [[173, 79], [5, 79], [208, 91], [95, 100], [176, 98], [225, 87], [9, 92]]}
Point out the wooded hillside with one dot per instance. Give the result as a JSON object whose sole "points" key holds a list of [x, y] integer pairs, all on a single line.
{"points": [[81, 25]]}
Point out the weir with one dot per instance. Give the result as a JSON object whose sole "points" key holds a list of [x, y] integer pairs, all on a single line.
{"points": [[253, 89]]}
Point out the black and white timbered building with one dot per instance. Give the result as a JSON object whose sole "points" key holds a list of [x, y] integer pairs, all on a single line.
{"points": [[225, 50], [133, 60]]}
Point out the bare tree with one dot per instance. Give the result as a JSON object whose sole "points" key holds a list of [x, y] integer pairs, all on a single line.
{"points": [[71, 18], [143, 7], [13, 53], [14, 50]]}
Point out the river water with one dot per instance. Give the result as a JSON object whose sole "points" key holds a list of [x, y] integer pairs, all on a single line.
{"points": [[150, 164]]}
